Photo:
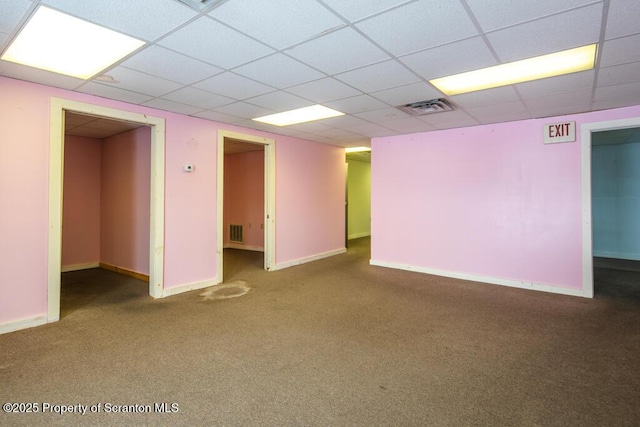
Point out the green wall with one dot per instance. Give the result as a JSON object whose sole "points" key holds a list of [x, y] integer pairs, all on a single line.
{"points": [[359, 199]]}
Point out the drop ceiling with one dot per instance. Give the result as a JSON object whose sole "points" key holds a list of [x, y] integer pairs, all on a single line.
{"points": [[233, 60]]}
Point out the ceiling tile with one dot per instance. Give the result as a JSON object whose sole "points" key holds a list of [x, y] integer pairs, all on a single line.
{"points": [[323, 90], [145, 19], [164, 63], [564, 100], [212, 42], [244, 110], [198, 98], [494, 113], [218, 117], [279, 71], [625, 73], [163, 104], [383, 75], [140, 82], [234, 86], [344, 122], [448, 119], [279, 101], [479, 98], [419, 25], [355, 10], [383, 115], [493, 15], [558, 32], [338, 134], [620, 51], [621, 93], [406, 94], [22, 72], [408, 125], [454, 58], [12, 13], [372, 130], [559, 84], [107, 91], [265, 21], [356, 104], [310, 126], [623, 18], [334, 52]]}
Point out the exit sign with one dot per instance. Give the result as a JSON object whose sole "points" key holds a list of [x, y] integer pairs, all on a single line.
{"points": [[560, 132]]}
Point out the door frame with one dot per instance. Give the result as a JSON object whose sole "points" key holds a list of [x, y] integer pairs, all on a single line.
{"points": [[587, 221], [269, 196], [57, 109]]}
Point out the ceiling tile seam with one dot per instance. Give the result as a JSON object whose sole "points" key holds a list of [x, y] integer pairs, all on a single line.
{"points": [[539, 18], [112, 86], [603, 30], [373, 15], [391, 56]]}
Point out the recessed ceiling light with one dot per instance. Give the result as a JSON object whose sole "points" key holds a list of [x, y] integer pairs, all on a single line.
{"points": [[57, 42], [554, 64], [300, 115], [357, 149]]}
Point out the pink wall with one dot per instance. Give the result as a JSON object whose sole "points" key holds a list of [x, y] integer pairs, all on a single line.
{"points": [[125, 200], [309, 196], [244, 196], [310, 186], [81, 209], [490, 201]]}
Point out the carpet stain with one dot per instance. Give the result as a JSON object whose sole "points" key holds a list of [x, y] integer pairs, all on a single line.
{"points": [[226, 291]]}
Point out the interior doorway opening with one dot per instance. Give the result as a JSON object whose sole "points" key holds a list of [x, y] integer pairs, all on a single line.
{"points": [[591, 132], [615, 203], [246, 197], [59, 108]]}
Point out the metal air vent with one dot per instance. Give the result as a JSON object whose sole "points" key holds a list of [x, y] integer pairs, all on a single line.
{"points": [[427, 107]]}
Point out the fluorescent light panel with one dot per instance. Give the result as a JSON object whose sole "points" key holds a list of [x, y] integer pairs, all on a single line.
{"points": [[57, 42], [357, 149], [554, 64], [300, 115]]}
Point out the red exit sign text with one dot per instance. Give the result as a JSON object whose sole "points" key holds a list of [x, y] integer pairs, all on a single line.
{"points": [[560, 132]]}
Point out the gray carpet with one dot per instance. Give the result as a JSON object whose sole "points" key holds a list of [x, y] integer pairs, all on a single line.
{"points": [[333, 342]]}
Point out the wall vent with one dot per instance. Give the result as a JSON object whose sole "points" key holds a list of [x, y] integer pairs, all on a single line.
{"points": [[432, 106], [235, 233]]}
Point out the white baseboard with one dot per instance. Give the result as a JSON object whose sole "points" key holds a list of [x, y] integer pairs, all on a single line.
{"points": [[16, 325], [76, 267], [244, 247], [617, 255], [307, 259], [188, 287], [484, 279], [359, 235]]}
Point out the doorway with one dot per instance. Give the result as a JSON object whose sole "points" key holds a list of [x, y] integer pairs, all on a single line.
{"points": [[239, 141], [588, 133], [58, 109]]}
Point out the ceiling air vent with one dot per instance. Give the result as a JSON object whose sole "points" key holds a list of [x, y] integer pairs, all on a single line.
{"points": [[427, 107]]}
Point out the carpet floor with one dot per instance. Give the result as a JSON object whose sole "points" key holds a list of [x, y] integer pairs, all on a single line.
{"points": [[332, 342]]}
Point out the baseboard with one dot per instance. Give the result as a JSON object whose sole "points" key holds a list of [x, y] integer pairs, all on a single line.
{"points": [[483, 279], [76, 267], [30, 322], [188, 288], [308, 259], [243, 247], [125, 271], [359, 235], [617, 255]]}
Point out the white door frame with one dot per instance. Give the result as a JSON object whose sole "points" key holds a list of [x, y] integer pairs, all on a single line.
{"points": [[58, 106], [587, 223], [269, 196]]}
